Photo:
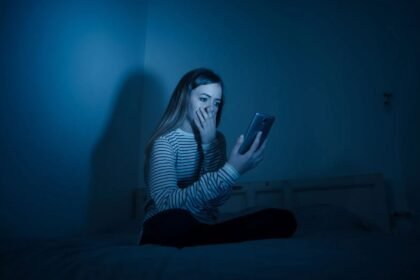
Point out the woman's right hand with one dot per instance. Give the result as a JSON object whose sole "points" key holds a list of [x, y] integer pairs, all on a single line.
{"points": [[250, 159]]}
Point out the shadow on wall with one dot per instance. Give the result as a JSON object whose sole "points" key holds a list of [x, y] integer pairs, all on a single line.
{"points": [[116, 160]]}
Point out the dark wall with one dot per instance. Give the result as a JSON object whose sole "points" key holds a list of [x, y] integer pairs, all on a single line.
{"points": [[71, 79]]}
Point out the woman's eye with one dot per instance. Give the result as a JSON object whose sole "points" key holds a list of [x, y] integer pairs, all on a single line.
{"points": [[217, 104], [203, 99]]}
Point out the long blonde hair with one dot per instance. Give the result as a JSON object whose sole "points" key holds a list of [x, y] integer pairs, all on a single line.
{"points": [[176, 111]]}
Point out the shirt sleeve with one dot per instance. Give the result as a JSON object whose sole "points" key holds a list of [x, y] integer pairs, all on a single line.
{"points": [[163, 182]]}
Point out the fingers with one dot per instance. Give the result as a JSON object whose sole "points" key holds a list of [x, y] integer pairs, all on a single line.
{"points": [[259, 154], [255, 144], [204, 117], [261, 148], [209, 111], [200, 117], [238, 144], [203, 113]]}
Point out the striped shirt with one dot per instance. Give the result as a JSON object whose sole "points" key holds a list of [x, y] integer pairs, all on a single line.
{"points": [[187, 175]]}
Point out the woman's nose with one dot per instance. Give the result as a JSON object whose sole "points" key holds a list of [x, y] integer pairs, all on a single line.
{"points": [[210, 109]]}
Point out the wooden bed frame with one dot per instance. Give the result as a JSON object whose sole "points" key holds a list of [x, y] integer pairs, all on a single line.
{"points": [[363, 195]]}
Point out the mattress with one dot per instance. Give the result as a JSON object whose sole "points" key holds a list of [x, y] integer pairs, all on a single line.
{"points": [[330, 243]]}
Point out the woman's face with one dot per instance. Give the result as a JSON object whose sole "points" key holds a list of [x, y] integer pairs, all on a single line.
{"points": [[207, 97]]}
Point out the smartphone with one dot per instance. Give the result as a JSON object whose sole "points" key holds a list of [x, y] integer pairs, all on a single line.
{"points": [[261, 122]]}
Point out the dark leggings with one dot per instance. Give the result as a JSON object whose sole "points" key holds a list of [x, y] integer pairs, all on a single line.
{"points": [[178, 228]]}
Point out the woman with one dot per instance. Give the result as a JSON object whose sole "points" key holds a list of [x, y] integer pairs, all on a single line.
{"points": [[188, 177]]}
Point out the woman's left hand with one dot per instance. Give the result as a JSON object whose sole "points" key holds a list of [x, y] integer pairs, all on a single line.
{"points": [[206, 124]]}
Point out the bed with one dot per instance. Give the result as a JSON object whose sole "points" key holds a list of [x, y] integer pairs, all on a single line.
{"points": [[344, 233]]}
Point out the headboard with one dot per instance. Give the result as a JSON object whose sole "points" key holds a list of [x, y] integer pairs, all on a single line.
{"points": [[363, 195]]}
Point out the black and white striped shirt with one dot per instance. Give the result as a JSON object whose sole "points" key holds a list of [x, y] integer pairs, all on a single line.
{"points": [[183, 174]]}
